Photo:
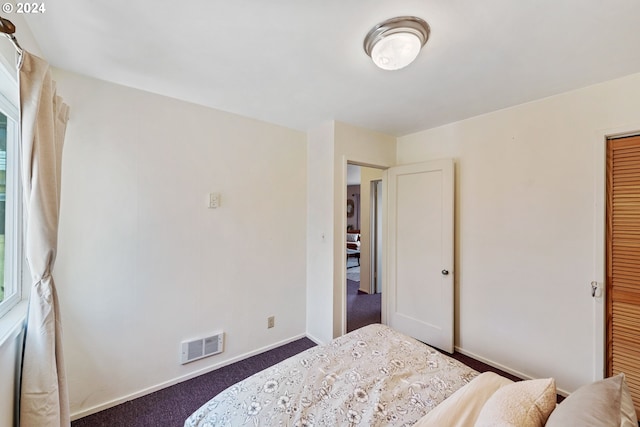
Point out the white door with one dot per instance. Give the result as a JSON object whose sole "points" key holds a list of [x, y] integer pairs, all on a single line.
{"points": [[420, 250]]}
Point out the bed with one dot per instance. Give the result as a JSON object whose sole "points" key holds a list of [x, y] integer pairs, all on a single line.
{"points": [[376, 376]]}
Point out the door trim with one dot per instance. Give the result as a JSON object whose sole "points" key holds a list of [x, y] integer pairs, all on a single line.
{"points": [[599, 251], [340, 299], [373, 233]]}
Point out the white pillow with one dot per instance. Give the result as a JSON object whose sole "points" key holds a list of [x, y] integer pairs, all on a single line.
{"points": [[462, 408], [521, 404], [602, 403], [353, 237]]}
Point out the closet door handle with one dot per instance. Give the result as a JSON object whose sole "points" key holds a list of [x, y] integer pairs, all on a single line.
{"points": [[445, 272]]}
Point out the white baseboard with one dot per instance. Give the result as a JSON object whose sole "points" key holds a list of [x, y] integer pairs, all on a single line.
{"points": [[503, 368], [152, 389], [314, 339]]}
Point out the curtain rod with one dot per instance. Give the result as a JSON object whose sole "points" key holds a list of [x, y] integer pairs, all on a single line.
{"points": [[8, 29]]}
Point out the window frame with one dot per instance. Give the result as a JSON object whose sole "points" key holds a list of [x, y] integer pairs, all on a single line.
{"points": [[14, 255]]}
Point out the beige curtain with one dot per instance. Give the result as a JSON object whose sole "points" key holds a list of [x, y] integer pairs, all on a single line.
{"points": [[44, 399]]}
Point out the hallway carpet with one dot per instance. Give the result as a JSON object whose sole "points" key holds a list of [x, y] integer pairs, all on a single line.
{"points": [[362, 309]]}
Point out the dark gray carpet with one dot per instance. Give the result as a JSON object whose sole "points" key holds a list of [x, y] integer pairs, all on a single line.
{"points": [[362, 309], [171, 406]]}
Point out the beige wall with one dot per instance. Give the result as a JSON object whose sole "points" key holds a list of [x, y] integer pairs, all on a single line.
{"points": [[143, 264], [320, 232], [529, 227]]}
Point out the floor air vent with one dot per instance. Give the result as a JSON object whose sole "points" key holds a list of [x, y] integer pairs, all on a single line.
{"points": [[202, 347]]}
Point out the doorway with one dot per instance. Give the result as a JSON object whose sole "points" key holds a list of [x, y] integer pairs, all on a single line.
{"points": [[364, 246]]}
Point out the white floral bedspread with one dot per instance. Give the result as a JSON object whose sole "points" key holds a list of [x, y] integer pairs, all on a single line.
{"points": [[373, 376]]}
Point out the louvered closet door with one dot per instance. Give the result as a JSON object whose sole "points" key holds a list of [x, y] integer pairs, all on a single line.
{"points": [[623, 261]]}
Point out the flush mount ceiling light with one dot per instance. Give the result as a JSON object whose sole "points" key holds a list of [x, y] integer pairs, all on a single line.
{"points": [[396, 42]]}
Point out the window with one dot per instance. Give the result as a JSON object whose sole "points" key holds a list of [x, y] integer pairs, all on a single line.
{"points": [[10, 195]]}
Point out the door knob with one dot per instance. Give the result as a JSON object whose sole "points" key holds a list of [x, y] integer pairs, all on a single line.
{"points": [[445, 272]]}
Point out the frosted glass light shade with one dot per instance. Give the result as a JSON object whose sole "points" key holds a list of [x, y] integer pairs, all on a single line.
{"points": [[396, 51], [396, 42]]}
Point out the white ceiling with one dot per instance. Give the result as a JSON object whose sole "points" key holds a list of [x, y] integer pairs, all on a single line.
{"points": [[298, 63]]}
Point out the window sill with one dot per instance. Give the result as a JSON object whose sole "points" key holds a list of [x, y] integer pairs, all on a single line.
{"points": [[11, 323]]}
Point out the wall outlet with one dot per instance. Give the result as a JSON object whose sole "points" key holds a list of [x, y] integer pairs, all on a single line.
{"points": [[271, 322], [214, 200]]}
